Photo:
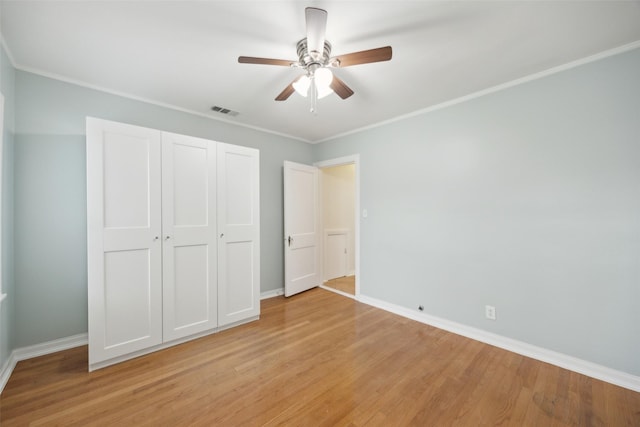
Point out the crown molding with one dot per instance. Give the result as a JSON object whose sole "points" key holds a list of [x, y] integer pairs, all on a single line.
{"points": [[126, 95], [539, 75]]}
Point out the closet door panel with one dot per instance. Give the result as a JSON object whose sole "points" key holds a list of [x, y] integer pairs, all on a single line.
{"points": [[239, 296], [238, 191], [124, 249], [239, 234], [128, 314], [189, 235], [191, 295], [126, 180]]}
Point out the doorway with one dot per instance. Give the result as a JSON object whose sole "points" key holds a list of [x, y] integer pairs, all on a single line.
{"points": [[339, 205]]}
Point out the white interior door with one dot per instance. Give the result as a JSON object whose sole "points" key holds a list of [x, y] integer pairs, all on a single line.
{"points": [[189, 236], [335, 255], [302, 228], [124, 246], [238, 234]]}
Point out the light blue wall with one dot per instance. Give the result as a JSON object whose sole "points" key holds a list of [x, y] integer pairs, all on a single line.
{"points": [[50, 195], [7, 84], [527, 199]]}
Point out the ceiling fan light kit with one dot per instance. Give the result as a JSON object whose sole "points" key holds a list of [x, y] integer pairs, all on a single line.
{"points": [[322, 79], [314, 56]]}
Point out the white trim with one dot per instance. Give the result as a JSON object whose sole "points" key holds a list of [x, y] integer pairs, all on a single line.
{"points": [[49, 347], [168, 344], [272, 293], [7, 370], [2, 294], [497, 88], [151, 101], [112, 361], [336, 231], [134, 97], [32, 351], [340, 161], [347, 160], [592, 58], [8, 51], [622, 379], [84, 84]]}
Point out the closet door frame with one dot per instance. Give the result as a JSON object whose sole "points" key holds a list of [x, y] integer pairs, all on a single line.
{"points": [[133, 236]]}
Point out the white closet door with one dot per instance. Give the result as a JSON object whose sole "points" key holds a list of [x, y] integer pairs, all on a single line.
{"points": [[189, 235], [238, 234], [124, 247]]}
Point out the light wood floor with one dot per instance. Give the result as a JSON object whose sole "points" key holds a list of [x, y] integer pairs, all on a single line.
{"points": [[315, 359], [345, 284]]}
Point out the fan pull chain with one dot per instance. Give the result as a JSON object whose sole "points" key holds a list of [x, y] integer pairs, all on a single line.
{"points": [[313, 95]]}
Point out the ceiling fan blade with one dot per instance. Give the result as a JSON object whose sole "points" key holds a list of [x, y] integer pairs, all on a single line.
{"points": [[286, 93], [265, 61], [316, 29], [340, 88], [365, 56]]}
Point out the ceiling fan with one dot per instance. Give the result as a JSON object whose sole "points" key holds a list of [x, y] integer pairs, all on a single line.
{"points": [[314, 57]]}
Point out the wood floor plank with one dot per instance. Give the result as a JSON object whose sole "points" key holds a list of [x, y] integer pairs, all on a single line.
{"points": [[346, 284], [318, 359]]}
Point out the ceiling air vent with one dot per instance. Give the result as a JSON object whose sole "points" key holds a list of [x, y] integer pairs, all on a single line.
{"points": [[223, 110]]}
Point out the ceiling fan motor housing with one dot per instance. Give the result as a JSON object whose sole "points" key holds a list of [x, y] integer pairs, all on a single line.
{"points": [[307, 59]]}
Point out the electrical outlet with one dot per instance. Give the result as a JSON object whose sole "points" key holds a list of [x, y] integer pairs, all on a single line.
{"points": [[490, 312]]}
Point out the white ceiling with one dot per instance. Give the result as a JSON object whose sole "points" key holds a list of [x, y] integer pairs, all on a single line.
{"points": [[184, 53]]}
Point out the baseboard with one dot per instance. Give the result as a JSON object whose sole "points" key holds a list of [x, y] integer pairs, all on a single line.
{"points": [[32, 351], [272, 294], [163, 346], [7, 370], [49, 347], [619, 378]]}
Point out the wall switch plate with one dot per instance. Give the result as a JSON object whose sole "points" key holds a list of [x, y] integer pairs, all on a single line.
{"points": [[490, 312]]}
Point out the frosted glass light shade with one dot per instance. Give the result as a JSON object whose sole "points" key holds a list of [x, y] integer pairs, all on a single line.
{"points": [[324, 91], [302, 85], [323, 77]]}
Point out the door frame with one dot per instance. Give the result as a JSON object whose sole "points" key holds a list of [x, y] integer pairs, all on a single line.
{"points": [[353, 159]]}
